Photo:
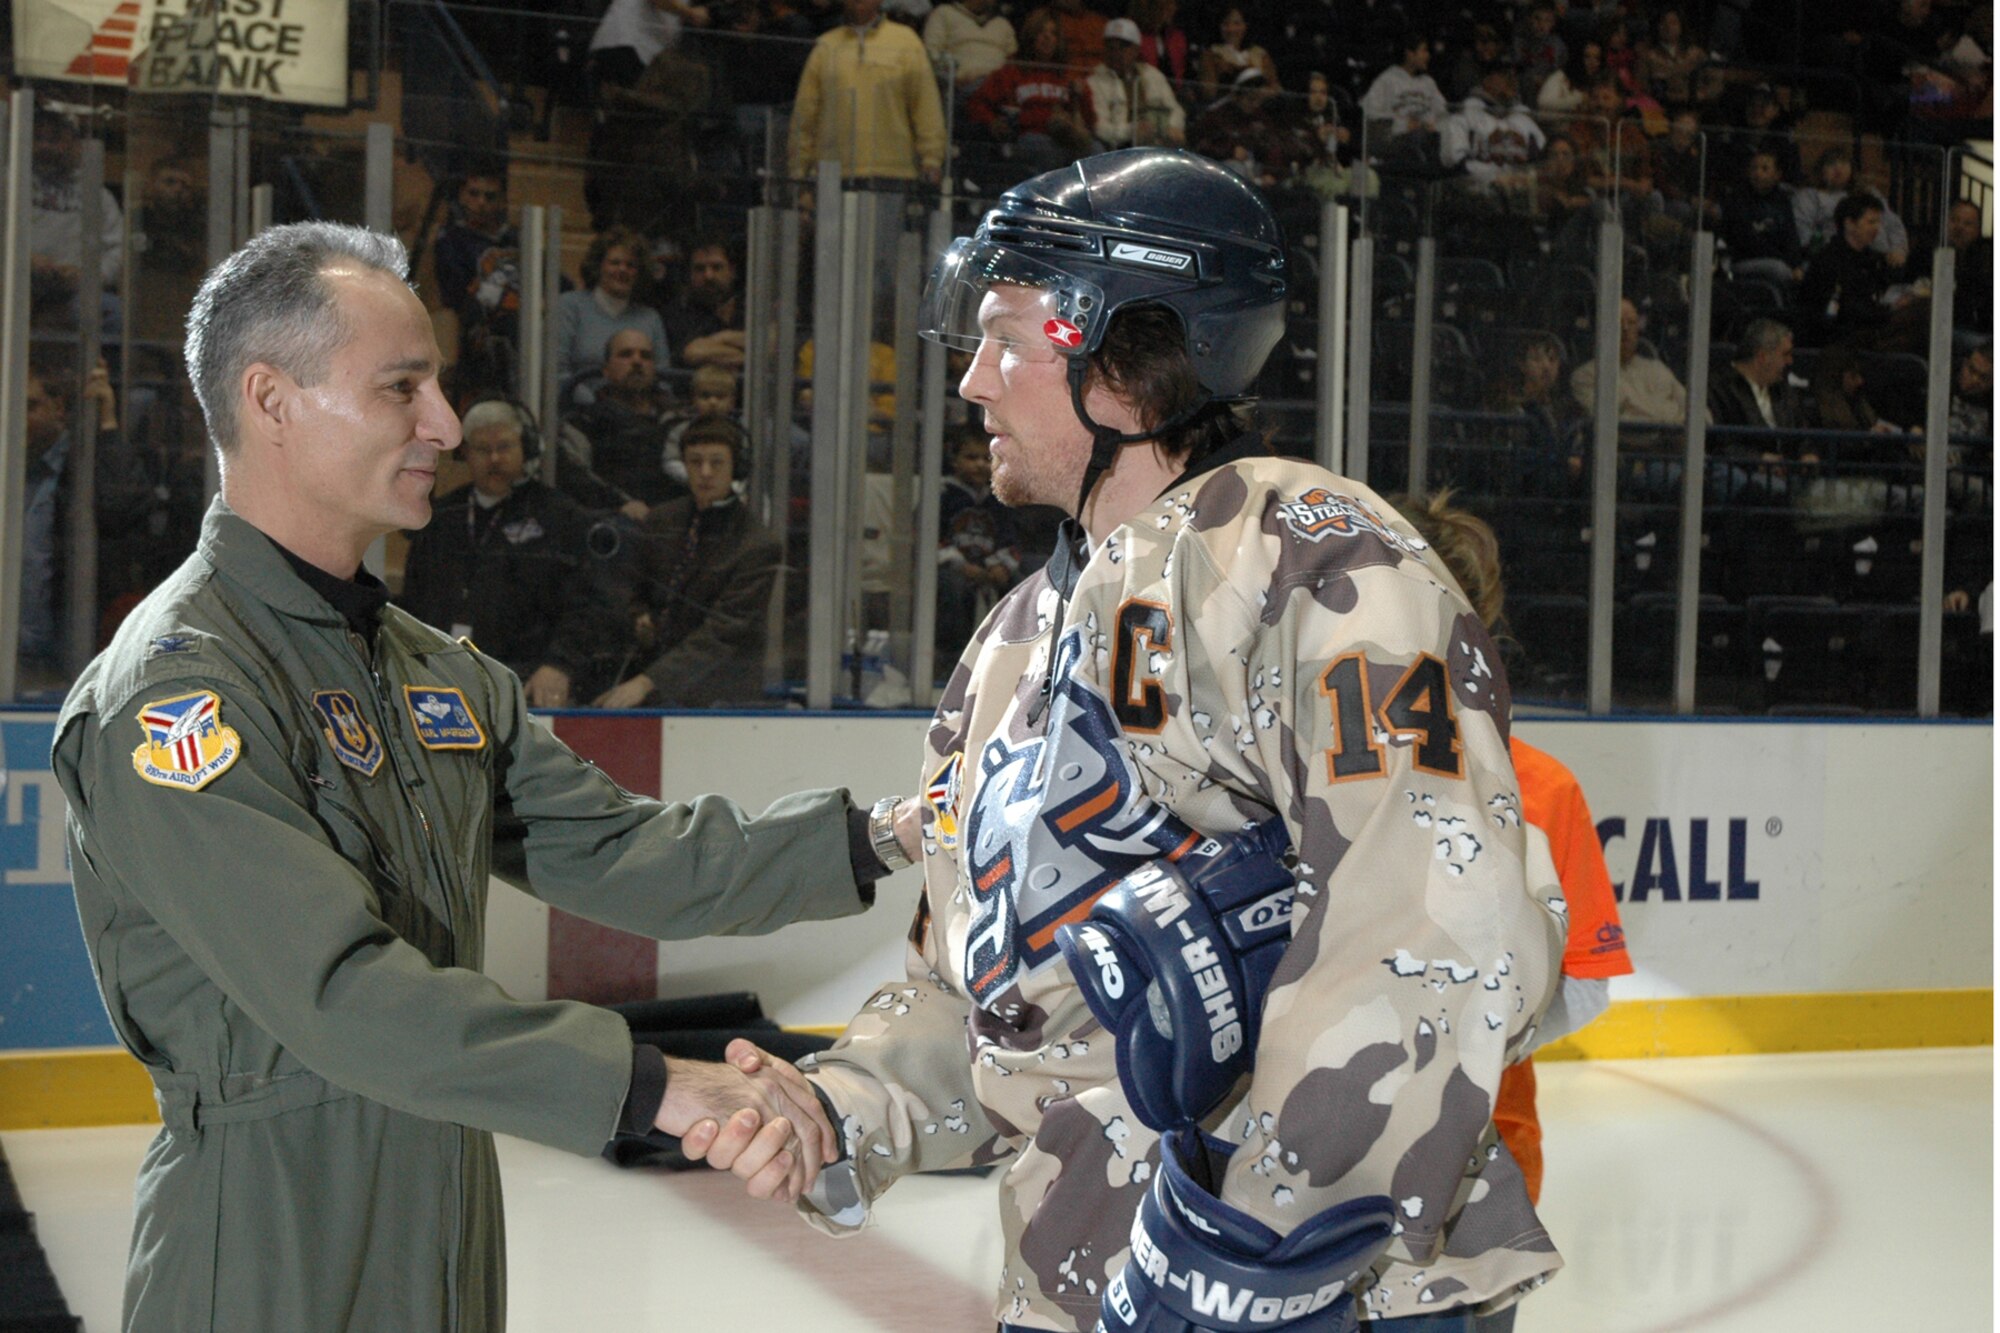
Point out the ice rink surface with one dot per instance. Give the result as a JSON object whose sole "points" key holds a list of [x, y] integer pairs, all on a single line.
{"points": [[1726, 1195]]}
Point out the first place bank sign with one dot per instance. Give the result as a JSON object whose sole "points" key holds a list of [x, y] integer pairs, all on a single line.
{"points": [[277, 50]]}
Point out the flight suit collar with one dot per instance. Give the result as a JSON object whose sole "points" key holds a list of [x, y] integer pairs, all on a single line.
{"points": [[249, 557]]}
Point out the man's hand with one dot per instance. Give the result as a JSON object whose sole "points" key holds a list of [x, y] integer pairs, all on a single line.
{"points": [[547, 688], [755, 1117], [908, 821], [724, 348], [636, 510], [629, 695]]}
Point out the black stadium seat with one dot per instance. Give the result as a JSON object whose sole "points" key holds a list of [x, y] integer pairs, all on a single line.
{"points": [[1554, 633], [1813, 654]]}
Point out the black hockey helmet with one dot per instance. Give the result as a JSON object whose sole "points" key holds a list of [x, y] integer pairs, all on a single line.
{"points": [[1140, 226]]}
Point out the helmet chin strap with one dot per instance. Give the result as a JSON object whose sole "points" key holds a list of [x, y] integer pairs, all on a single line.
{"points": [[1106, 442]]}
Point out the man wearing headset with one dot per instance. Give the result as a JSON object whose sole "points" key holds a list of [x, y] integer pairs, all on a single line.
{"points": [[503, 562], [1231, 922]]}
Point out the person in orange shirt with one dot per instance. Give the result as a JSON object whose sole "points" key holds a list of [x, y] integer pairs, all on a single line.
{"points": [[1552, 801]]}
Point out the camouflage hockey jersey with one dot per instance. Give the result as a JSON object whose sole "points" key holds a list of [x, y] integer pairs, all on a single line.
{"points": [[1266, 637]]}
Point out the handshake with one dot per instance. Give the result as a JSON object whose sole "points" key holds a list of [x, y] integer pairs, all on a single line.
{"points": [[754, 1116]]}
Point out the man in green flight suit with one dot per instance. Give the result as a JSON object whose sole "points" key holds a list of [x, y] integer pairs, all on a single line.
{"points": [[285, 797]]}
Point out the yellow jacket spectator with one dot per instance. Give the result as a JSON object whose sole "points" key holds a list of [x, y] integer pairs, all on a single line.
{"points": [[869, 100]]}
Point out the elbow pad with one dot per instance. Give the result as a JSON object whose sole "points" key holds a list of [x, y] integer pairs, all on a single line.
{"points": [[1174, 961]]}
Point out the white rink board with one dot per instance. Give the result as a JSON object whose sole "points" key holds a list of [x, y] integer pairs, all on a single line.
{"points": [[1870, 848], [1877, 873]]}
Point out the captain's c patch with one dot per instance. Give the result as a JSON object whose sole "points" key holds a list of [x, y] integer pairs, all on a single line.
{"points": [[442, 719], [354, 742], [186, 745]]}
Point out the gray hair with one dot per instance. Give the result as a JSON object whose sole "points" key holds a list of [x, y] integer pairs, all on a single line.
{"points": [[268, 302], [1761, 336], [493, 412]]}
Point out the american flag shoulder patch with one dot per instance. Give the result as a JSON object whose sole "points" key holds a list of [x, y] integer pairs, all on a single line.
{"points": [[186, 746]]}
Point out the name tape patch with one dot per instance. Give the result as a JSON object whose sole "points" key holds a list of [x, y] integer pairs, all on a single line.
{"points": [[442, 719]]}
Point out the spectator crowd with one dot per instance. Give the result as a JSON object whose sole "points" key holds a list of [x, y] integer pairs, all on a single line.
{"points": [[1509, 131]]}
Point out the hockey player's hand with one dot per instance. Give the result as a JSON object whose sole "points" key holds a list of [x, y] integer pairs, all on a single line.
{"points": [[768, 1131]]}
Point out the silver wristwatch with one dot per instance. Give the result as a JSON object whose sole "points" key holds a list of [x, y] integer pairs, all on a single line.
{"points": [[882, 833]]}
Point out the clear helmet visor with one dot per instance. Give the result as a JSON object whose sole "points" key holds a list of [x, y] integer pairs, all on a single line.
{"points": [[985, 295]]}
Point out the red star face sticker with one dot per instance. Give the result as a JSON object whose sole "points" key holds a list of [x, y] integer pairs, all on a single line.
{"points": [[1063, 333]]}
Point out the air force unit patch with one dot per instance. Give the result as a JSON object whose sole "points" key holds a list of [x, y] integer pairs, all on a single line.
{"points": [[442, 718], [186, 746], [354, 742]]}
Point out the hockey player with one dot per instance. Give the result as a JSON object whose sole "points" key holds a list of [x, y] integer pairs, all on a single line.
{"points": [[1237, 1091]]}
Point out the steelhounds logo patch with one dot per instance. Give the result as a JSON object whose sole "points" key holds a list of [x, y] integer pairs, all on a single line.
{"points": [[442, 718], [186, 746], [1051, 825], [354, 742], [1320, 511]]}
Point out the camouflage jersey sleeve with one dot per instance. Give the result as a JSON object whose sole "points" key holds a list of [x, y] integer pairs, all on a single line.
{"points": [[901, 1076], [1336, 672]]}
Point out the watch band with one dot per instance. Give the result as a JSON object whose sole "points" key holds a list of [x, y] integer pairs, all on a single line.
{"points": [[882, 833]]}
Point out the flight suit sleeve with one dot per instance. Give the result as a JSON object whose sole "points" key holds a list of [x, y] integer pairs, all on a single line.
{"points": [[671, 870], [248, 883], [1419, 960]]}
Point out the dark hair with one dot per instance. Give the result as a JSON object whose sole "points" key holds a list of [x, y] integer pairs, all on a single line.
{"points": [[1854, 205], [269, 302], [711, 241], [1144, 360], [1579, 77], [611, 238], [715, 428], [1031, 28]]}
